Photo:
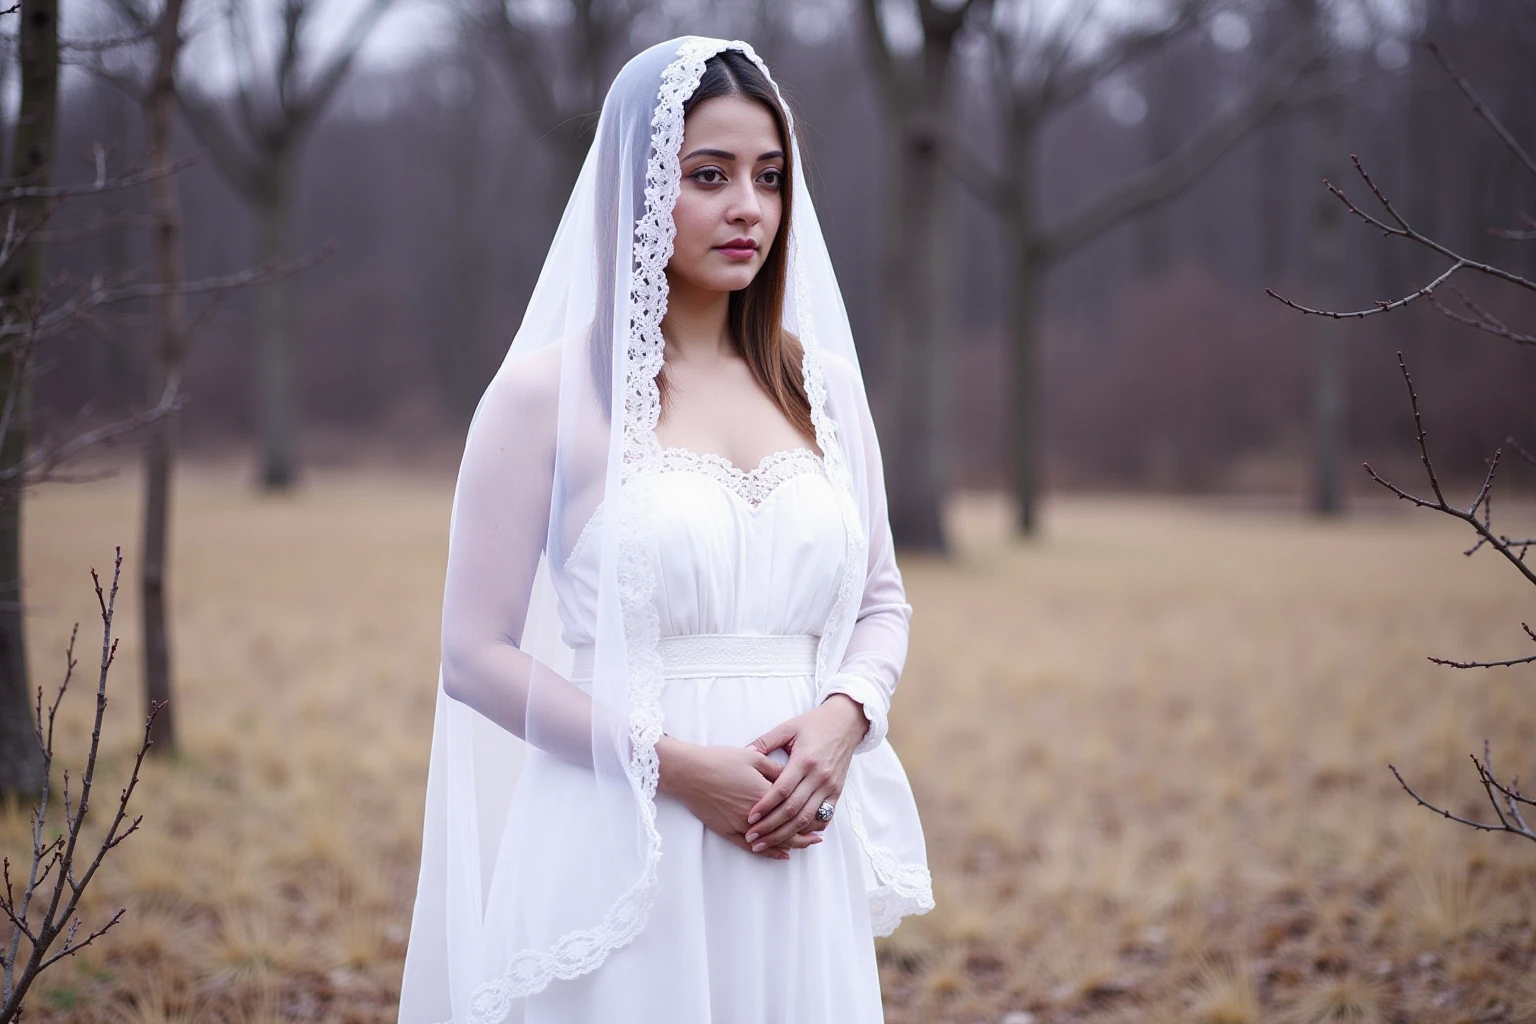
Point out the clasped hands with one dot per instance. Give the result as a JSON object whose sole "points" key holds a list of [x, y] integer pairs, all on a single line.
{"points": [[759, 804]]}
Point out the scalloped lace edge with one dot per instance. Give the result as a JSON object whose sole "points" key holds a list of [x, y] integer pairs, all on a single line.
{"points": [[582, 950]]}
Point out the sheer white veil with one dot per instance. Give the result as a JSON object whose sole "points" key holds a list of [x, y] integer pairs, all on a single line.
{"points": [[558, 458]]}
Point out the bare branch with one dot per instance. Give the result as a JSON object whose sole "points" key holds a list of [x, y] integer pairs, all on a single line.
{"points": [[238, 164], [1528, 660], [1063, 83], [13, 193], [101, 293], [109, 43], [1382, 305], [1525, 234], [1468, 515], [1153, 184], [1491, 786], [1525, 454], [48, 455], [1401, 229], [1481, 319], [1482, 109], [304, 109], [71, 947], [970, 169]]}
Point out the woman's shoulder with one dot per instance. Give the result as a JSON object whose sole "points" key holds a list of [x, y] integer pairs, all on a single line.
{"points": [[844, 381], [840, 371], [533, 378], [523, 399]]}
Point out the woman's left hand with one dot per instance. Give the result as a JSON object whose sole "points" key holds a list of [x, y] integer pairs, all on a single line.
{"points": [[820, 743]]}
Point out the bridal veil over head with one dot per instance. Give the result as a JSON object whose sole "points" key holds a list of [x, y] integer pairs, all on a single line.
{"points": [[559, 453]]}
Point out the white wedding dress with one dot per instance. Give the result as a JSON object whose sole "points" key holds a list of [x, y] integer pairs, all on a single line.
{"points": [[747, 571]]}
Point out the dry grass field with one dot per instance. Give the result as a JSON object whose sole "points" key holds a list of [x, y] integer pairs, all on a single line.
{"points": [[1150, 754]]}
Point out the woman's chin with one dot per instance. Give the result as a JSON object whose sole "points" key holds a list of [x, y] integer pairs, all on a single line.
{"points": [[730, 282]]}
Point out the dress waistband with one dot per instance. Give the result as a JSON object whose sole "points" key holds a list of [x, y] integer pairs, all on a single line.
{"points": [[722, 654]]}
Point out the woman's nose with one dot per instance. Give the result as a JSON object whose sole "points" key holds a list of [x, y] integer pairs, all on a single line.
{"points": [[746, 205]]}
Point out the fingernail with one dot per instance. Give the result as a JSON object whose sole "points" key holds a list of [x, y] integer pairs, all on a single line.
{"points": [[751, 836], [815, 840], [758, 847], [752, 819]]}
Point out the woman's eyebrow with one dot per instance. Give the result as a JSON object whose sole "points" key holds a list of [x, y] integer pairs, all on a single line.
{"points": [[720, 154]]}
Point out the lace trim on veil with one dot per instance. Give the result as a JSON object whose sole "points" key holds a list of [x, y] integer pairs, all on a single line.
{"points": [[582, 950], [905, 888]]}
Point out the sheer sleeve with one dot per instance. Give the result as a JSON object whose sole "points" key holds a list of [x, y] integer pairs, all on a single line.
{"points": [[501, 521], [877, 646]]}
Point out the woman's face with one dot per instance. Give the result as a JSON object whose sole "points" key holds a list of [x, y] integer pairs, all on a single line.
{"points": [[727, 214]]}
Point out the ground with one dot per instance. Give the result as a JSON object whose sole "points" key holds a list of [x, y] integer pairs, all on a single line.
{"points": [[1150, 751]]}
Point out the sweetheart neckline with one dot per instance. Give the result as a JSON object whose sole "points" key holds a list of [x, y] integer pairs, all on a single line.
{"points": [[763, 463], [694, 461]]}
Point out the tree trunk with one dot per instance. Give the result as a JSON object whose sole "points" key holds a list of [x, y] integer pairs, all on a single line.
{"points": [[1327, 266], [1030, 265], [21, 774], [1027, 416], [914, 479], [278, 399], [160, 447], [915, 92]]}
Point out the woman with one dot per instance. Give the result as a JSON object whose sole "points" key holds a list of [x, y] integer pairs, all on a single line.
{"points": [[660, 788]]}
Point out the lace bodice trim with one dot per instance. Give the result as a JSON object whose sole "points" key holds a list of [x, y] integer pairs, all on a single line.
{"points": [[752, 485]]}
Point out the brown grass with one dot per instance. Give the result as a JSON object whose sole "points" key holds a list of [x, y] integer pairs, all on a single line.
{"points": [[1150, 750]]}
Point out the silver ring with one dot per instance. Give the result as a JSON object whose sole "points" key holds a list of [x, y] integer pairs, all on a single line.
{"points": [[824, 812]]}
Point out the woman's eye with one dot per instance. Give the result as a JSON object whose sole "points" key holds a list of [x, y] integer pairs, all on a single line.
{"points": [[699, 175], [773, 177]]}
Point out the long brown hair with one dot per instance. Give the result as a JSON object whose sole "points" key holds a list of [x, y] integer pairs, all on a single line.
{"points": [[756, 313]]}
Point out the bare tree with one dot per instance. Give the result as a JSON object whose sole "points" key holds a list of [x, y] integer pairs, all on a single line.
{"points": [[156, 96], [1509, 804], [256, 147], [558, 72], [20, 281], [159, 106], [29, 323], [44, 908], [914, 88], [1325, 266], [1042, 65]]}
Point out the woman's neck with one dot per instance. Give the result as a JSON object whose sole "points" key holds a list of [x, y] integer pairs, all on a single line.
{"points": [[696, 326]]}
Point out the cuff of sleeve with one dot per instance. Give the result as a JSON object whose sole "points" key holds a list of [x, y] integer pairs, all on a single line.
{"points": [[869, 698]]}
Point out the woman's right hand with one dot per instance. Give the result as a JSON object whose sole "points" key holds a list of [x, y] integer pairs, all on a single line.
{"points": [[720, 784]]}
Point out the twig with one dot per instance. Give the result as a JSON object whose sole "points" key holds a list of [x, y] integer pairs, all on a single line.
{"points": [[1400, 228], [100, 293], [58, 856], [1528, 660], [1514, 823], [109, 43], [1482, 109], [37, 466], [1481, 319], [14, 193], [1439, 504]]}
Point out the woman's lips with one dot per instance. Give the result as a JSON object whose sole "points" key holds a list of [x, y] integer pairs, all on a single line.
{"points": [[742, 252]]}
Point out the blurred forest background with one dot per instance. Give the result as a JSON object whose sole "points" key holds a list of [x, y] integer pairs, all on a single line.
{"points": [[1151, 747], [441, 165]]}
